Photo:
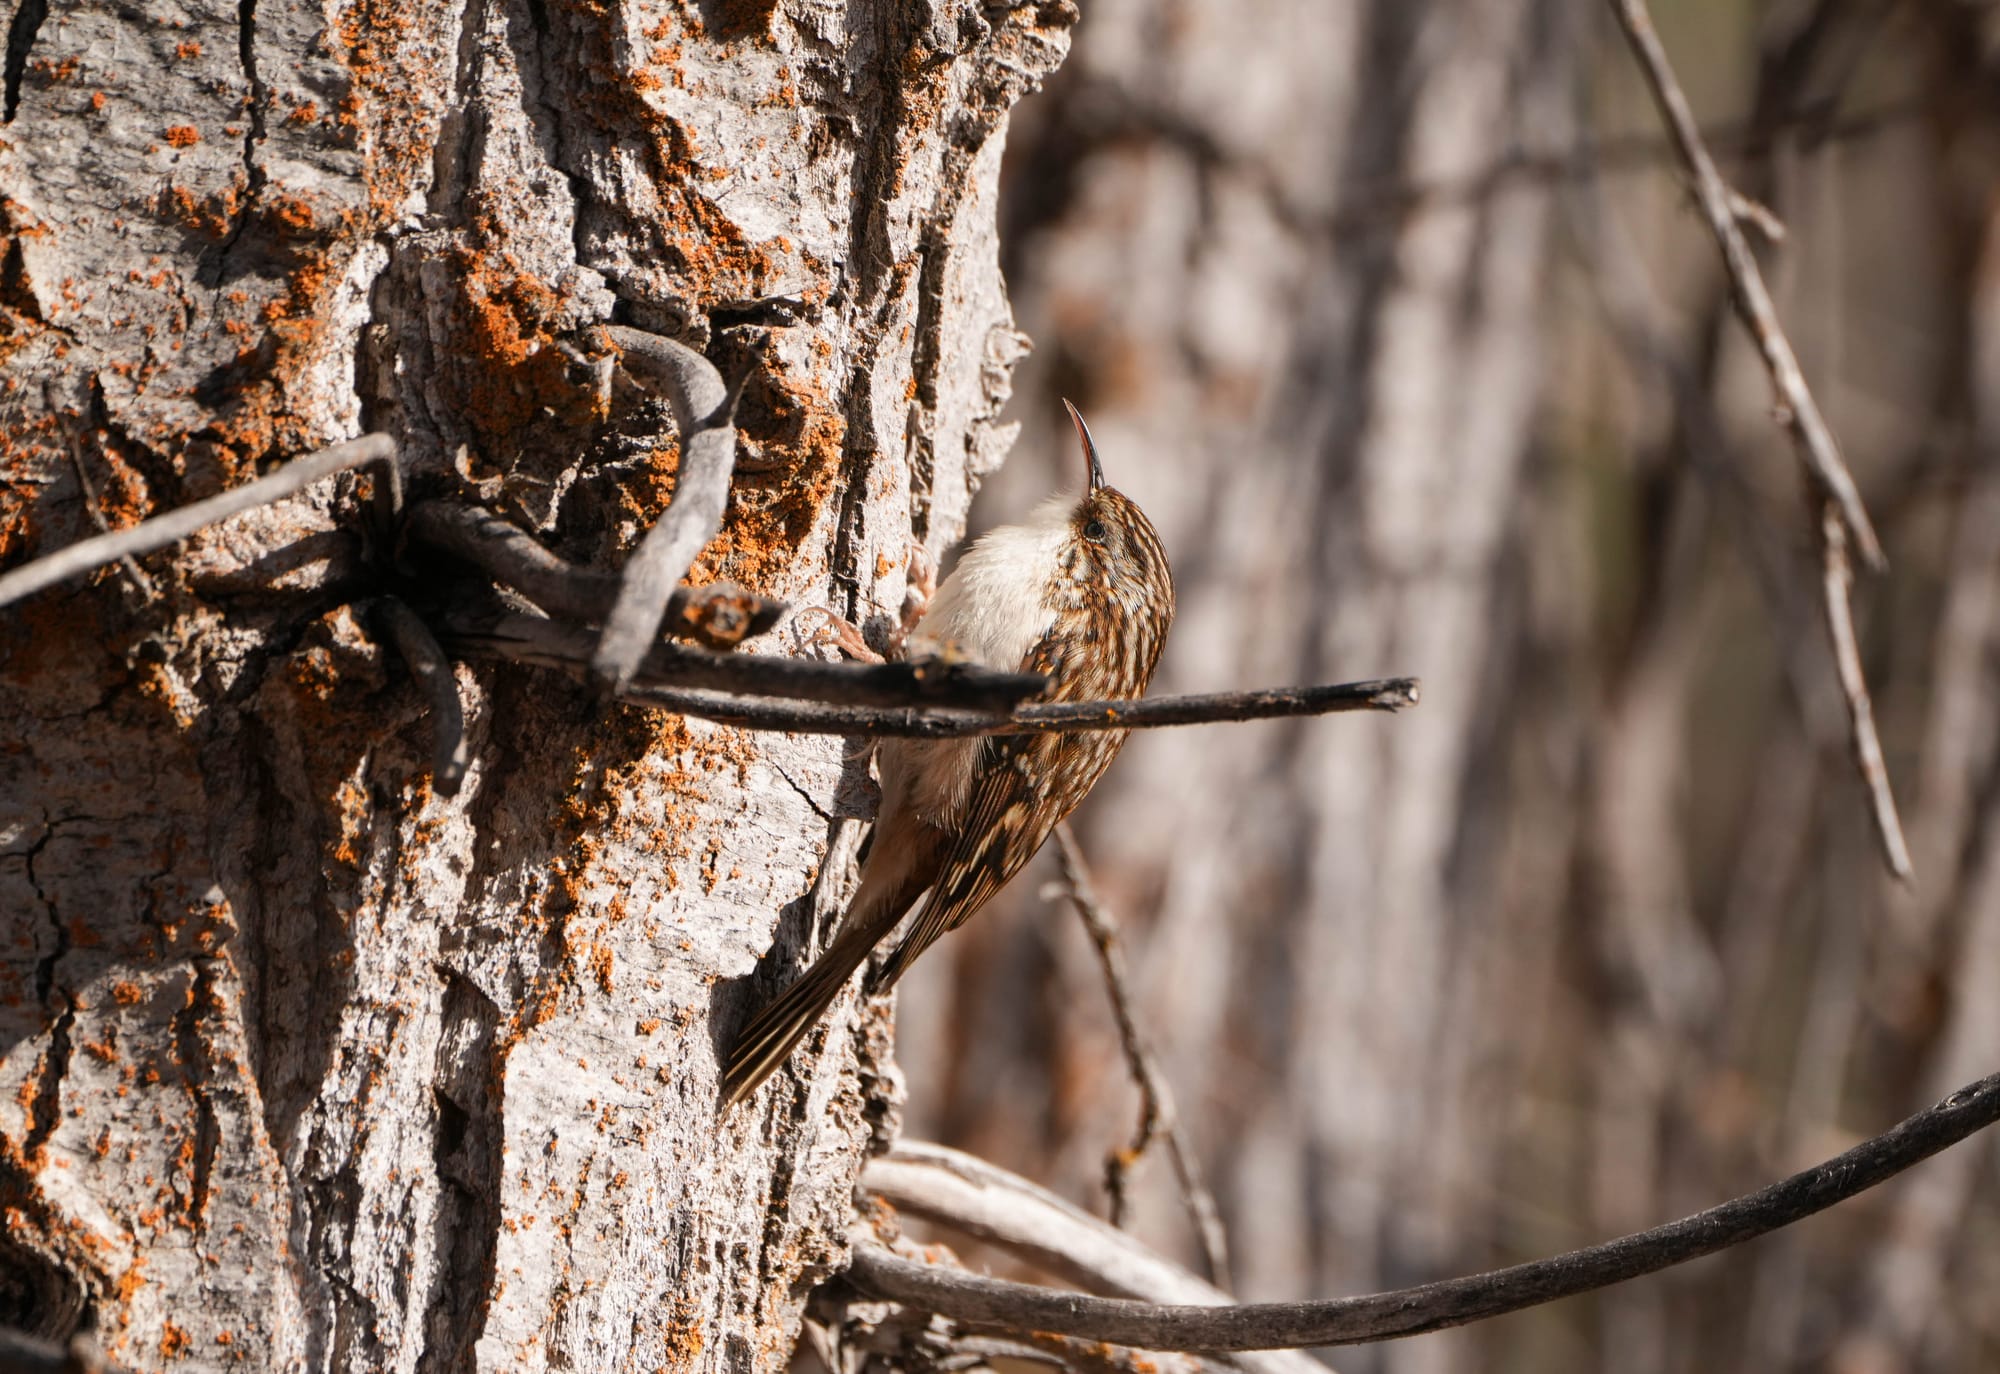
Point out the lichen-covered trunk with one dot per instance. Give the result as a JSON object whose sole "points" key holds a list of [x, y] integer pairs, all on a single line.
{"points": [[303, 1064]]}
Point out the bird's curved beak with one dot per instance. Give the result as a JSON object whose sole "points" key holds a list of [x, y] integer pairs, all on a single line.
{"points": [[1089, 448]]}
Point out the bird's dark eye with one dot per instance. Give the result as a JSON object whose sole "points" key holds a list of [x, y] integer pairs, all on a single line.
{"points": [[1094, 531]]}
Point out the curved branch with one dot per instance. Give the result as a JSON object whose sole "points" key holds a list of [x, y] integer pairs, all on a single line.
{"points": [[702, 408], [162, 530], [720, 614], [1434, 1306], [988, 1203]]}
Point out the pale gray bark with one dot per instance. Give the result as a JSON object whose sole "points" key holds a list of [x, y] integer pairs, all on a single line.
{"points": [[301, 1065]]}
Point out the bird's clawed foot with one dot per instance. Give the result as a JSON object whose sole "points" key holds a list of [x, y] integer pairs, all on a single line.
{"points": [[843, 634]]}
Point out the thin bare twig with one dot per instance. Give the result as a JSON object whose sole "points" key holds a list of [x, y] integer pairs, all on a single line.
{"points": [[1837, 577], [702, 408], [919, 682], [1158, 1114], [990, 1204], [1815, 442], [720, 614], [1151, 713], [1835, 493], [174, 526], [1435, 1306], [433, 673]]}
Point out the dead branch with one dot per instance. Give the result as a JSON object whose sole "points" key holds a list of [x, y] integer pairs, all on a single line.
{"points": [[965, 686], [1430, 1307], [703, 413], [1826, 473], [988, 1203], [1158, 1113], [174, 526], [719, 615]]}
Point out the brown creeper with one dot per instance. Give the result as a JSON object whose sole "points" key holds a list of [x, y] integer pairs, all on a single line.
{"points": [[1080, 592]]}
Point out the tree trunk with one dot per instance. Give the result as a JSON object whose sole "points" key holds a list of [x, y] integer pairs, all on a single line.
{"points": [[303, 1064]]}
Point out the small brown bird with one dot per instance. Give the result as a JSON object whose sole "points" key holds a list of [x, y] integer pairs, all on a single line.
{"points": [[1080, 592]]}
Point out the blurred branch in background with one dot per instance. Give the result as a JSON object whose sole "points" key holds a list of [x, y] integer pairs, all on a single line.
{"points": [[1843, 517]]}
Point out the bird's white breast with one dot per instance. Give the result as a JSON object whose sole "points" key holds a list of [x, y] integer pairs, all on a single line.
{"points": [[991, 610]]}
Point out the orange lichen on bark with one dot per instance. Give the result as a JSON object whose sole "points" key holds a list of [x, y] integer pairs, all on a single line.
{"points": [[183, 135], [798, 435], [509, 371]]}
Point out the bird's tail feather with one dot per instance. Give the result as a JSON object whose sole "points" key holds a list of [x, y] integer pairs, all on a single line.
{"points": [[775, 1031]]}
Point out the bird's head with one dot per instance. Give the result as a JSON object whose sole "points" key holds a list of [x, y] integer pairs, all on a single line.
{"points": [[1112, 556]]}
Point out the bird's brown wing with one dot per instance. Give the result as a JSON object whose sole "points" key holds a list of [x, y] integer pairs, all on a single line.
{"points": [[1006, 819]]}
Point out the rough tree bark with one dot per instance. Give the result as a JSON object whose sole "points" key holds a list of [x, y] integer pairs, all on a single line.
{"points": [[302, 1064]]}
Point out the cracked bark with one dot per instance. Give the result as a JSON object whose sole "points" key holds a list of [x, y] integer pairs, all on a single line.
{"points": [[303, 1065]]}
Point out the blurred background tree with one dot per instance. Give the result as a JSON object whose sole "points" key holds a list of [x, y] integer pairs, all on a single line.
{"points": [[1397, 318]]}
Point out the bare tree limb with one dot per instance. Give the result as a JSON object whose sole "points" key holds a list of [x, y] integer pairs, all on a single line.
{"points": [[1435, 1306], [174, 526], [720, 614], [1827, 475], [1158, 1113], [702, 408], [1814, 440], [433, 672], [990, 1204]]}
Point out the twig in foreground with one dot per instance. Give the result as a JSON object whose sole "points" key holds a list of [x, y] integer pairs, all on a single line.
{"points": [[1158, 1114], [702, 408], [1838, 501], [986, 1202], [1435, 1306], [1147, 713], [176, 525]]}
